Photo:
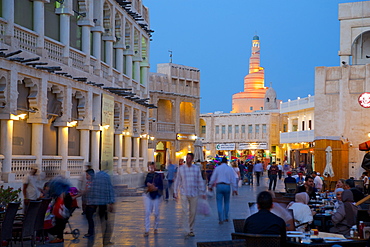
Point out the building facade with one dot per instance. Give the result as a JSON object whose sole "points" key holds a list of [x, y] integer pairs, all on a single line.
{"points": [[297, 136], [247, 136], [175, 89], [340, 121], [77, 91]]}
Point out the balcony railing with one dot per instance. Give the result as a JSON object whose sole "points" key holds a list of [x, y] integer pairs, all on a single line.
{"points": [[166, 127], [51, 166], [2, 30], [54, 49], [297, 136], [22, 166], [187, 128], [75, 166], [78, 58], [27, 39], [105, 70], [298, 104]]}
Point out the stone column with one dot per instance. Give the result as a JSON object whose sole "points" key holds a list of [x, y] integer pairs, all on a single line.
{"points": [[37, 139], [119, 56], [128, 64], [95, 143], [144, 148], [38, 24], [136, 153], [108, 50], [86, 47], [63, 149], [128, 151], [7, 149], [84, 144], [8, 14], [137, 72], [118, 142]]}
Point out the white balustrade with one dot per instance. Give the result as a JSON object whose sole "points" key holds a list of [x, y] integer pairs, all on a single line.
{"points": [[21, 166], [27, 39], [2, 30], [105, 70], [75, 166], [116, 74], [187, 128], [51, 166], [93, 63], [78, 58], [54, 49]]}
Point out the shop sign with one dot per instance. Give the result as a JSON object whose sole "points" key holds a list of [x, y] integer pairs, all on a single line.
{"points": [[190, 137], [253, 145], [364, 100], [225, 146]]}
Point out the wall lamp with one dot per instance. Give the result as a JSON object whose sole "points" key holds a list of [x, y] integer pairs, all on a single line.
{"points": [[104, 127], [72, 124], [18, 117]]}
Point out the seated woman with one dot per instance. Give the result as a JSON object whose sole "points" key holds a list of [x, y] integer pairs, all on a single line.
{"points": [[301, 211], [338, 194], [345, 217]]}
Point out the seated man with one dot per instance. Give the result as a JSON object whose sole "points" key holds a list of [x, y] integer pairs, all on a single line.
{"points": [[265, 222], [349, 184], [310, 188], [291, 181]]}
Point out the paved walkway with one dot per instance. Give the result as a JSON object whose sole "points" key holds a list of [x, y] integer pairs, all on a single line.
{"points": [[129, 222]]}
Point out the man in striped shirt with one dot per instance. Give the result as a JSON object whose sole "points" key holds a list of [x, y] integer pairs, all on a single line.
{"points": [[189, 183]]}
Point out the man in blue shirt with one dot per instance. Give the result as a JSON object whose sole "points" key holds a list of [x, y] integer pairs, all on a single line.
{"points": [[171, 175]]}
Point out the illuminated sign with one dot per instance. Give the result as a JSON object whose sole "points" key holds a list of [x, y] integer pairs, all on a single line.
{"points": [[190, 137], [225, 146], [253, 145], [364, 100]]}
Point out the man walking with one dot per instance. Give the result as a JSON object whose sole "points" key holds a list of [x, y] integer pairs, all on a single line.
{"points": [[250, 173], [171, 175], [274, 170], [224, 177], [102, 198], [190, 185], [258, 169]]}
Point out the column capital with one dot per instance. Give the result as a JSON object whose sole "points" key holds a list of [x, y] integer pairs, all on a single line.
{"points": [[64, 11], [109, 38], [83, 22], [128, 52], [98, 29], [119, 45]]}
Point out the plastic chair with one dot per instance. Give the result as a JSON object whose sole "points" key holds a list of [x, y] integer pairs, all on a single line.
{"points": [[7, 224], [228, 243], [27, 227], [258, 240], [238, 225]]}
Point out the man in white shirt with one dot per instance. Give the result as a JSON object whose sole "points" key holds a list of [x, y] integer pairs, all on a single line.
{"points": [[189, 183], [317, 181], [258, 169], [223, 177]]}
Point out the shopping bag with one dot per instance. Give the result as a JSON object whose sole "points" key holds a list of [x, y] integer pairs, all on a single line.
{"points": [[240, 183], [203, 207]]}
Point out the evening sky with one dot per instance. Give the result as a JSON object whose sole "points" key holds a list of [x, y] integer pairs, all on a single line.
{"points": [[215, 36]]}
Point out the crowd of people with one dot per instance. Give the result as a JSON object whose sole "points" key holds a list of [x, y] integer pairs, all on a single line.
{"points": [[189, 182]]}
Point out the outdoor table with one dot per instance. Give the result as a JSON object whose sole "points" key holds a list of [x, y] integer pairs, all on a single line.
{"points": [[337, 239], [324, 219]]}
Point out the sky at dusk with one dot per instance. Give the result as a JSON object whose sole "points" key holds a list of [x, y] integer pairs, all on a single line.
{"points": [[215, 36]]}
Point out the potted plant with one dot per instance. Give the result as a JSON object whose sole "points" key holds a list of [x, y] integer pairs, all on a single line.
{"points": [[8, 195]]}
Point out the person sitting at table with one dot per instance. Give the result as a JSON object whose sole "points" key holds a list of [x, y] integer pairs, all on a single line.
{"points": [[349, 184], [289, 178], [301, 211], [340, 183], [310, 188], [338, 194], [345, 216], [300, 178], [265, 222]]}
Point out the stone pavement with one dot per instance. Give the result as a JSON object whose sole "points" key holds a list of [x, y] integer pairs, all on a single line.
{"points": [[129, 222]]}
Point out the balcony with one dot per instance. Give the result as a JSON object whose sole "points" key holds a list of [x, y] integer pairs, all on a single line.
{"points": [[297, 136], [296, 105]]}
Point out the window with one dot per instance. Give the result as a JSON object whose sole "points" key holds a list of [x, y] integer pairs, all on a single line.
{"points": [[257, 128], [230, 129], [203, 129], [295, 127], [250, 128], [243, 128], [236, 129], [285, 126], [302, 125], [264, 128], [223, 129], [261, 108], [217, 129], [251, 108], [309, 124]]}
